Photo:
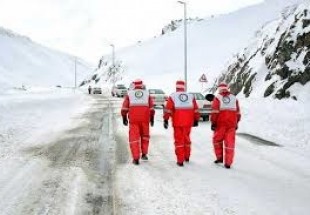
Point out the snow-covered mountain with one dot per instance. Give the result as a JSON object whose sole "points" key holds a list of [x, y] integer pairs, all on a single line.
{"points": [[106, 73], [26, 63], [211, 43], [277, 63]]}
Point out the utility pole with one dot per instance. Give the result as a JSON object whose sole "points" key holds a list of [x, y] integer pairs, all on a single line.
{"points": [[74, 72], [113, 63], [185, 42]]}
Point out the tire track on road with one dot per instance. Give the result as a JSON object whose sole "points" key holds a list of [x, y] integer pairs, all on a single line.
{"points": [[77, 169]]}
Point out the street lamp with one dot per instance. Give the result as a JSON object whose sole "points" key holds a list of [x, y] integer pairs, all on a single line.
{"points": [[113, 54], [113, 63], [74, 72], [185, 43]]}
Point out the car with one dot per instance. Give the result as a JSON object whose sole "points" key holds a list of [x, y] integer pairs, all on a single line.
{"points": [[97, 90], [159, 97], [203, 105], [119, 90]]}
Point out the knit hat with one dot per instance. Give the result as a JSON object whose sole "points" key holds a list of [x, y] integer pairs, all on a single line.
{"points": [[180, 85], [138, 84], [222, 87]]}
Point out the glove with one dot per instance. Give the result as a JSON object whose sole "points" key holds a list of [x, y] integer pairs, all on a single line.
{"points": [[152, 121], [195, 123], [166, 124], [125, 121], [213, 126]]}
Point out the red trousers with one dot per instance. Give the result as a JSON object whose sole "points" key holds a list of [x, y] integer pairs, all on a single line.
{"points": [[139, 136], [182, 143], [227, 135]]}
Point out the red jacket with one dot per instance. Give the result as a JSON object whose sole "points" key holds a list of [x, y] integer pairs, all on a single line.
{"points": [[138, 105], [225, 110], [182, 108]]}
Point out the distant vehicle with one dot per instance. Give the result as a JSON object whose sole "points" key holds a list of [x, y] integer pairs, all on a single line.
{"points": [[159, 97], [203, 105], [119, 90], [97, 90]]}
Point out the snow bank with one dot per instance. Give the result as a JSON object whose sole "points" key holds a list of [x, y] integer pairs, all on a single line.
{"points": [[28, 118], [284, 122]]}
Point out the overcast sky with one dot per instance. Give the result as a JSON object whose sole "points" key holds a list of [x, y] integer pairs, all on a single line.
{"points": [[86, 27]]}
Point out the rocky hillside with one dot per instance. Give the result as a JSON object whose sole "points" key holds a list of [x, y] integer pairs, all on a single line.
{"points": [[175, 24], [277, 59], [106, 73]]}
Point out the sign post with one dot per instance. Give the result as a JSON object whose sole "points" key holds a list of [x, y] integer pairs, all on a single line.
{"points": [[203, 79]]}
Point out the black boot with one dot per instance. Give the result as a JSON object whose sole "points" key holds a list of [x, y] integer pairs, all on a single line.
{"points": [[187, 160], [144, 157], [227, 166], [135, 161], [218, 161], [180, 164]]}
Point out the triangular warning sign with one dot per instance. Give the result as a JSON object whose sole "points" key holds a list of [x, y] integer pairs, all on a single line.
{"points": [[203, 78]]}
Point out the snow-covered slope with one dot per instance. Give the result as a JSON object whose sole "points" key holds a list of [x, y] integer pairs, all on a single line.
{"points": [[24, 62], [211, 43], [277, 63], [275, 66], [159, 62]]}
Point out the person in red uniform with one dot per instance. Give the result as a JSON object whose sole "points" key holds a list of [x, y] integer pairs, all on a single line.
{"points": [[183, 110], [224, 122], [138, 107]]}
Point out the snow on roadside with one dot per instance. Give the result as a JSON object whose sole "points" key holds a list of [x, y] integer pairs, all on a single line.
{"points": [[284, 122], [27, 118]]}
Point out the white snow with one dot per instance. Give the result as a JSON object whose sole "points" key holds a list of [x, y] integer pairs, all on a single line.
{"points": [[26, 63], [285, 122], [297, 64], [30, 117], [159, 63], [211, 43], [263, 179]]}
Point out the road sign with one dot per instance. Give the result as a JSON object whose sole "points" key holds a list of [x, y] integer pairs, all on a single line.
{"points": [[203, 78]]}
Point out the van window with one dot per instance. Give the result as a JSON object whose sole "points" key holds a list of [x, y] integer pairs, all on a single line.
{"points": [[156, 91]]}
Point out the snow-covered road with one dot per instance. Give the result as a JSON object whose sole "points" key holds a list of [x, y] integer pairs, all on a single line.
{"points": [[263, 180], [58, 157], [83, 166]]}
